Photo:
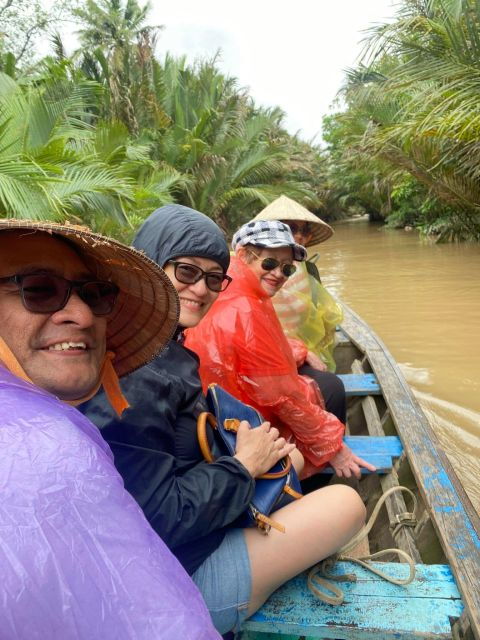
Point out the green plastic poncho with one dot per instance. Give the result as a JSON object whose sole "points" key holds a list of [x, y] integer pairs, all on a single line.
{"points": [[308, 312]]}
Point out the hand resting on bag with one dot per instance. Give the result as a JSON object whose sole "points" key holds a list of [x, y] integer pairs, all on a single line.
{"points": [[260, 448]]}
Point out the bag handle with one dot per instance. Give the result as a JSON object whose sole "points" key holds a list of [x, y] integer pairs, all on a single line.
{"points": [[231, 424], [202, 420]]}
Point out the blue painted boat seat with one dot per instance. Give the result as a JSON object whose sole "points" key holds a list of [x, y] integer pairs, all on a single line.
{"points": [[373, 608], [360, 384], [378, 450]]}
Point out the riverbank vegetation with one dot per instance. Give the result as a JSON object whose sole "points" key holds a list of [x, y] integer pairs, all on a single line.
{"points": [[405, 147], [108, 132], [105, 135]]}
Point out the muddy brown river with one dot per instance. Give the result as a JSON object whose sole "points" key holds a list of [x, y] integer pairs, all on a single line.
{"points": [[423, 300]]}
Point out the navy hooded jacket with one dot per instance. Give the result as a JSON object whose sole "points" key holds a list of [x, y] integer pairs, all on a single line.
{"points": [[188, 502]]}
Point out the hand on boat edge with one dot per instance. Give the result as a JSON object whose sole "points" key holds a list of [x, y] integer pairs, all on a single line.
{"points": [[345, 463]]}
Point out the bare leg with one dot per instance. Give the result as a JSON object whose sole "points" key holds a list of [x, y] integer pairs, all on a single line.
{"points": [[316, 526]]}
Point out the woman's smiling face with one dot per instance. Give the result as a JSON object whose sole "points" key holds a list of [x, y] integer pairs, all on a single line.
{"points": [[270, 281], [195, 299]]}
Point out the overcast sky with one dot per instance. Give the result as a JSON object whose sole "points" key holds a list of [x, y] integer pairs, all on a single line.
{"points": [[290, 54]]}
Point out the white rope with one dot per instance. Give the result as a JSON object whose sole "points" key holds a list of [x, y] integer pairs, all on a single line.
{"points": [[314, 579]]}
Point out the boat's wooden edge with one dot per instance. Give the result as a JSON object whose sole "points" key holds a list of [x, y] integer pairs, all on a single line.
{"points": [[456, 522], [355, 327]]}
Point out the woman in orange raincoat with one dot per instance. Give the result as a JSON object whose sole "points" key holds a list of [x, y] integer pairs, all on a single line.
{"points": [[243, 348], [306, 310]]}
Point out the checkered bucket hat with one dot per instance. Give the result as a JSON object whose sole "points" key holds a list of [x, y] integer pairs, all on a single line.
{"points": [[268, 234]]}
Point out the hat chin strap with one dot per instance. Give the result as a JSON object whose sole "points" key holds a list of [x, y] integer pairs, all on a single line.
{"points": [[108, 378]]}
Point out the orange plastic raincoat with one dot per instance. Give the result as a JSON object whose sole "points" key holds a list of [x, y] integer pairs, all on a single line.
{"points": [[243, 348]]}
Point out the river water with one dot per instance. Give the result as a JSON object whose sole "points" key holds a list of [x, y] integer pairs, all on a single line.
{"points": [[423, 300]]}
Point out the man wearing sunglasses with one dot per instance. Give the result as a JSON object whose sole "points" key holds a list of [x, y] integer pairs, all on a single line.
{"points": [[77, 558]]}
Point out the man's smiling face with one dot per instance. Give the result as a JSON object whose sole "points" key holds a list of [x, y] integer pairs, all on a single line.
{"points": [[61, 352]]}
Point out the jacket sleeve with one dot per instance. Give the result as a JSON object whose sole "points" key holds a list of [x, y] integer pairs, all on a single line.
{"points": [[184, 504], [156, 452]]}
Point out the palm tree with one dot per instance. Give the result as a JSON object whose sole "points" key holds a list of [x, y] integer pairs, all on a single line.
{"points": [[47, 168], [420, 97], [118, 51], [236, 157], [160, 131]]}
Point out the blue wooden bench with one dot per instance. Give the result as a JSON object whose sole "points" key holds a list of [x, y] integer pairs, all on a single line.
{"points": [[360, 384], [373, 608], [378, 450]]}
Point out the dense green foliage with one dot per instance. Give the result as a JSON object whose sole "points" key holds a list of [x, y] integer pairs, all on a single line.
{"points": [[111, 133], [406, 146]]}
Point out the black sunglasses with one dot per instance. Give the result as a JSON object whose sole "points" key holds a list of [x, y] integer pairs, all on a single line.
{"points": [[48, 293], [190, 274], [304, 229], [269, 264]]}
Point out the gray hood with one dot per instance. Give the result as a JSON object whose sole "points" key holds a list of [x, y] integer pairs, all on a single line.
{"points": [[174, 230]]}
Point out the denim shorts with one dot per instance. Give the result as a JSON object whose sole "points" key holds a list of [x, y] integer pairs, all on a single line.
{"points": [[225, 582]]}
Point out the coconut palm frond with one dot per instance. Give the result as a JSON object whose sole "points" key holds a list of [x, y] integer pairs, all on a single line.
{"points": [[21, 194]]}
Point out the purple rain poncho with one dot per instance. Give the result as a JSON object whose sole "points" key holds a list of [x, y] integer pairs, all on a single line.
{"points": [[78, 560]]}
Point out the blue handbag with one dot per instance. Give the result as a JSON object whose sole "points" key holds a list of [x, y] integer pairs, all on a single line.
{"points": [[274, 489]]}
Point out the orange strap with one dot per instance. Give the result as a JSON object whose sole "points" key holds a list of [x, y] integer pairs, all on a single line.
{"points": [[11, 363], [111, 385], [108, 378], [292, 493], [265, 523], [231, 424]]}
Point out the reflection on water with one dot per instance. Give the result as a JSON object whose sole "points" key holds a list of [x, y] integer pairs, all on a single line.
{"points": [[423, 300]]}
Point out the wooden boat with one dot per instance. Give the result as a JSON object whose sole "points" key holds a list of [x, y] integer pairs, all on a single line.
{"points": [[444, 538]]}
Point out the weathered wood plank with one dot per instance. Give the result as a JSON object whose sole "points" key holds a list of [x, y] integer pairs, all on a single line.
{"points": [[380, 445], [341, 338], [372, 418], [379, 451], [404, 537], [453, 516], [373, 608], [360, 385], [383, 464], [395, 504], [431, 581], [461, 629]]}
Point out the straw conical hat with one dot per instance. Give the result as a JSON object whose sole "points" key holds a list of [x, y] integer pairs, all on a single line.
{"points": [[146, 312], [284, 208]]}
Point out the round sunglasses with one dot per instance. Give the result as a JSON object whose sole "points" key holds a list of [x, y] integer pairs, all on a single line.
{"points": [[269, 264], [48, 293], [187, 273]]}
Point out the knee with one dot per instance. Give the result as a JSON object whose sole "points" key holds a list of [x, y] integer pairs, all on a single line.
{"points": [[352, 504]]}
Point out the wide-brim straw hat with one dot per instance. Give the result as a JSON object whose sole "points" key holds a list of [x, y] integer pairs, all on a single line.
{"points": [[146, 312], [284, 208]]}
